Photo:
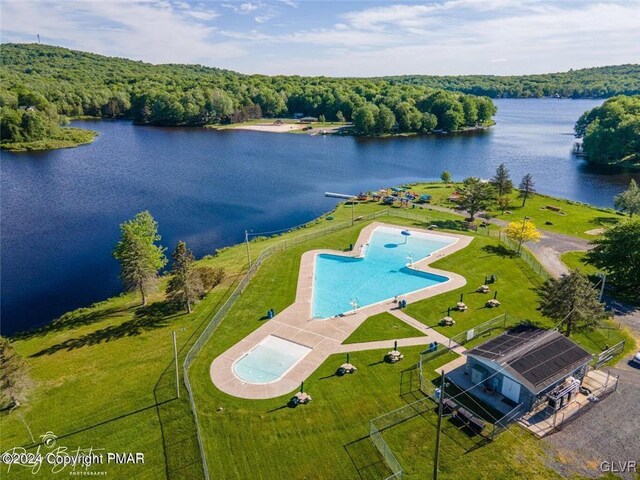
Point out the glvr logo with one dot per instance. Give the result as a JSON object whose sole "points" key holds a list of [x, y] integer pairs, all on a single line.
{"points": [[619, 467]]}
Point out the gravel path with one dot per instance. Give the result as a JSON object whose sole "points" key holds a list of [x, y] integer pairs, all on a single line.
{"points": [[607, 432]]}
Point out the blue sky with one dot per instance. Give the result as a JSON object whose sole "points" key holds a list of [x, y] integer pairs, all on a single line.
{"points": [[340, 38]]}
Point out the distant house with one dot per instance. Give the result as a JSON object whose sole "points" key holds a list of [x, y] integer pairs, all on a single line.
{"points": [[308, 119], [27, 108], [526, 365]]}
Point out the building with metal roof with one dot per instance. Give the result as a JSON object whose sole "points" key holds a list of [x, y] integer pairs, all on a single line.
{"points": [[527, 363]]}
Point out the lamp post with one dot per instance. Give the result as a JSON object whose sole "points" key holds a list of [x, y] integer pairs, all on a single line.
{"points": [[524, 224]]}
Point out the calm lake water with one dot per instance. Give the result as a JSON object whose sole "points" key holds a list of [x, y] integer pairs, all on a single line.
{"points": [[60, 210]]}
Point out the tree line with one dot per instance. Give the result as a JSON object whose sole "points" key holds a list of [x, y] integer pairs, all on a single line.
{"points": [[598, 82], [59, 83], [611, 132]]}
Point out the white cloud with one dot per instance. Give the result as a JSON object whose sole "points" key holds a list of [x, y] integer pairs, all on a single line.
{"points": [[152, 31], [445, 37]]}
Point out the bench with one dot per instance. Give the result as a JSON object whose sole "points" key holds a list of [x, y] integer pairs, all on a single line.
{"points": [[470, 420]]}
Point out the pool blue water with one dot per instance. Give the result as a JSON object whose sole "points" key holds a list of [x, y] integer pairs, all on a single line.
{"points": [[270, 360], [380, 275]]}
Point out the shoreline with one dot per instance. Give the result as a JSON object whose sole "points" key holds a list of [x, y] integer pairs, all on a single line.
{"points": [[70, 137]]}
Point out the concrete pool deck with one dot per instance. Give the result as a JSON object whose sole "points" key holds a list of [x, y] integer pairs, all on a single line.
{"points": [[324, 337]]}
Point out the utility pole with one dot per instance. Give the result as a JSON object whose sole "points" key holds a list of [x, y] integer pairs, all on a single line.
{"points": [[175, 356], [246, 240], [603, 276], [353, 207], [436, 452]]}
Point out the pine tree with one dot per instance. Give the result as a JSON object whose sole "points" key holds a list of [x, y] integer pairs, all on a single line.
{"points": [[573, 299], [140, 258], [185, 286], [527, 188], [501, 181]]}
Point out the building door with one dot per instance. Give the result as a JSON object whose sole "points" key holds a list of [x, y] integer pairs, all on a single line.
{"points": [[511, 389]]}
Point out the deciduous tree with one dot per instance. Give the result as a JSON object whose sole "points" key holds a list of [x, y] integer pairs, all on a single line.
{"points": [[522, 232], [445, 176], [14, 377], [475, 195], [617, 252], [629, 200], [139, 256], [211, 277]]}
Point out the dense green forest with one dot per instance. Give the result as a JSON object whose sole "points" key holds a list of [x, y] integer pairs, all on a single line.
{"points": [[598, 82], [611, 132], [42, 86], [62, 83]]}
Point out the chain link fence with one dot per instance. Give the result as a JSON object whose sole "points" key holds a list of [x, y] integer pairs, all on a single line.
{"points": [[222, 312], [281, 246], [525, 254]]}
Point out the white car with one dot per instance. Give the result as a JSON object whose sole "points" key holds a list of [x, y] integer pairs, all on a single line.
{"points": [[636, 359]]}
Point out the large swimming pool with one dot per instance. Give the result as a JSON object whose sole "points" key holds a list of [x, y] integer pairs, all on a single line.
{"points": [[269, 360], [380, 275]]}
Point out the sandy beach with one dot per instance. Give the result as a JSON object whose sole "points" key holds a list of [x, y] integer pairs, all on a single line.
{"points": [[270, 127]]}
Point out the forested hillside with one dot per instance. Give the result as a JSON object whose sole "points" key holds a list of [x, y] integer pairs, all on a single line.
{"points": [[599, 82], [61, 82], [42, 86]]}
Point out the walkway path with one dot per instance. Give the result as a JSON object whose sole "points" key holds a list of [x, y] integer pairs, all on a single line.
{"points": [[547, 250], [324, 337], [433, 334], [430, 335]]}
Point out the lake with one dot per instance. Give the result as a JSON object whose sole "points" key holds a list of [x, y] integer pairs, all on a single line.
{"points": [[60, 210]]}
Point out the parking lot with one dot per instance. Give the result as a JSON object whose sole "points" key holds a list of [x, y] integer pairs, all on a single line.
{"points": [[606, 435]]}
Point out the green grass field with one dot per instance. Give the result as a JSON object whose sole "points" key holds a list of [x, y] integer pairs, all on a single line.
{"points": [[573, 219], [576, 260], [104, 375], [382, 326]]}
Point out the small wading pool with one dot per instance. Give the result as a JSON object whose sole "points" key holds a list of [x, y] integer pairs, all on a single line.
{"points": [[380, 275], [269, 360]]}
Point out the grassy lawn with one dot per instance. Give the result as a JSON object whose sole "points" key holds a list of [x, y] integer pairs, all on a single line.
{"points": [[382, 326], [104, 375], [576, 260], [270, 435], [515, 284], [573, 219]]}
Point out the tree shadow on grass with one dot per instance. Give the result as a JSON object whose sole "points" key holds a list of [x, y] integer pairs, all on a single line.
{"points": [[499, 250], [156, 315], [74, 319], [604, 221]]}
